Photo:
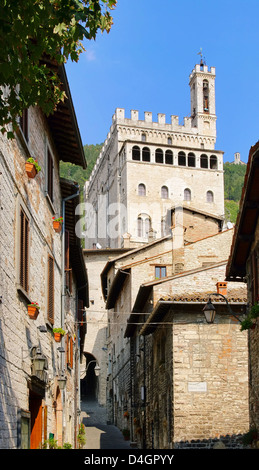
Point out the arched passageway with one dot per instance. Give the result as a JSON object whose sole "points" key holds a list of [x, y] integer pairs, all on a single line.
{"points": [[89, 381]]}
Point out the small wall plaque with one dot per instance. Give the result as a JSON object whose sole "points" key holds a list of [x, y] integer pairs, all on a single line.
{"points": [[197, 386]]}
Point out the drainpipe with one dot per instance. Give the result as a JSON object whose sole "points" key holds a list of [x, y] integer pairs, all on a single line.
{"points": [[63, 272]]}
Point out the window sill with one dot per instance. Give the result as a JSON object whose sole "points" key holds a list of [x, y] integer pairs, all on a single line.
{"points": [[23, 293]]}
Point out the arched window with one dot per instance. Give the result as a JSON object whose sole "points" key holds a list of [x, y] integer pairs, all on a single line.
{"points": [[181, 159], [143, 225], [205, 96], [187, 194], [191, 160], [147, 226], [164, 192], [169, 157], [140, 227], [143, 137], [204, 161], [141, 189], [146, 154], [136, 153], [169, 140], [159, 156], [210, 196], [213, 162]]}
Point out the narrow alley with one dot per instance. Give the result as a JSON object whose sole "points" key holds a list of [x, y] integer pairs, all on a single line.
{"points": [[99, 434]]}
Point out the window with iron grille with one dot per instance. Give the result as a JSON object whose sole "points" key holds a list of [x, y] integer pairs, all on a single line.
{"points": [[24, 251], [50, 309]]}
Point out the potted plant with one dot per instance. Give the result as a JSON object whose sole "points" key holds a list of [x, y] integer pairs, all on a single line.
{"points": [[250, 321], [32, 167], [58, 333], [33, 310], [81, 436], [126, 434], [126, 414], [57, 223]]}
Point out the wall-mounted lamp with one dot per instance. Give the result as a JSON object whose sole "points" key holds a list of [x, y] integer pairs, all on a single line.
{"points": [[62, 380], [210, 311], [38, 359], [97, 370]]}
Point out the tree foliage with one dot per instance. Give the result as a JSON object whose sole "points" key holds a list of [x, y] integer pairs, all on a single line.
{"points": [[33, 29], [233, 181]]}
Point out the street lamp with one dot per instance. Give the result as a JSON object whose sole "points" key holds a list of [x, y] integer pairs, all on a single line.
{"points": [[62, 380], [210, 311], [96, 369]]}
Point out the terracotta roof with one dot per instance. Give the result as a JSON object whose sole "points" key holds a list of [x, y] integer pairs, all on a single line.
{"points": [[233, 295]]}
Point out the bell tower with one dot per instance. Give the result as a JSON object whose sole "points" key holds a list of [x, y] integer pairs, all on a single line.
{"points": [[203, 110]]}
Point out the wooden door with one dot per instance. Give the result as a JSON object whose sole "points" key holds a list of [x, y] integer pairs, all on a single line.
{"points": [[35, 403]]}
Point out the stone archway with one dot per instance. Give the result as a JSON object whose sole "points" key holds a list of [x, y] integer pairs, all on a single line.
{"points": [[89, 383]]}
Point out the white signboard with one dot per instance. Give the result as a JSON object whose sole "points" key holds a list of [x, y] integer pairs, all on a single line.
{"points": [[197, 386]]}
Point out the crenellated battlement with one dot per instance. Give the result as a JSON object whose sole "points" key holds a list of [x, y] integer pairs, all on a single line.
{"points": [[204, 69], [197, 131]]}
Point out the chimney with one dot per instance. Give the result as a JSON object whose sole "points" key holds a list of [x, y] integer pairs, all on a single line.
{"points": [[222, 288]]}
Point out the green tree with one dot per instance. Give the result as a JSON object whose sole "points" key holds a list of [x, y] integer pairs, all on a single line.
{"points": [[32, 31]]}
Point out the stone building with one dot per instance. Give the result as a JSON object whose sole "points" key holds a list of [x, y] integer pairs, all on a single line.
{"points": [[190, 379], [243, 265], [159, 345], [145, 168], [39, 396]]}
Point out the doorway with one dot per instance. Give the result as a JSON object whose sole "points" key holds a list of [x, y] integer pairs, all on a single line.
{"points": [[35, 408], [89, 383]]}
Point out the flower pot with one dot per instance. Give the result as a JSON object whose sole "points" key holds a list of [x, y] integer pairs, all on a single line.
{"points": [[57, 337], [57, 226], [30, 170], [33, 312]]}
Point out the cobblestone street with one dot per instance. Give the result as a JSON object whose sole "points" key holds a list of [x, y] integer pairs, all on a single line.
{"points": [[99, 434]]}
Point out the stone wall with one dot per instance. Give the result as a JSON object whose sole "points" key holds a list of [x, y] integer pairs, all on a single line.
{"points": [[18, 333]]}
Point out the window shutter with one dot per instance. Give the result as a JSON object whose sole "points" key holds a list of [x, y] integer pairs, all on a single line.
{"points": [[24, 251], [51, 289], [69, 350], [50, 175], [68, 270]]}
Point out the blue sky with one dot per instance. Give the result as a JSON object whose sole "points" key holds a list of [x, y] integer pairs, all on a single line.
{"points": [[145, 61]]}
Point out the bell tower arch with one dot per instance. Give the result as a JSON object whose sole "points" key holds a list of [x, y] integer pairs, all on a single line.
{"points": [[203, 108]]}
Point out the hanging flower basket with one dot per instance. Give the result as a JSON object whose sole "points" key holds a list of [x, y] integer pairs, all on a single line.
{"points": [[58, 333], [126, 414], [57, 224], [33, 310], [32, 167]]}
